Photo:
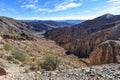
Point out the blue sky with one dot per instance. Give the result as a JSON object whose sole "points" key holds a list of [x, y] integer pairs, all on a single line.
{"points": [[58, 9]]}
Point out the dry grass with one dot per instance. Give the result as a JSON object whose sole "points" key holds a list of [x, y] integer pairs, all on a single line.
{"points": [[37, 50]]}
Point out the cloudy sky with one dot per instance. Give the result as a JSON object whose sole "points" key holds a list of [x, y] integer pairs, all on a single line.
{"points": [[58, 9]]}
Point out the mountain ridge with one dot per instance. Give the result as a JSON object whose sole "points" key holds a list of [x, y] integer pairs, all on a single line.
{"points": [[81, 39]]}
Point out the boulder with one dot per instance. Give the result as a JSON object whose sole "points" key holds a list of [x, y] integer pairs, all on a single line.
{"points": [[106, 52], [2, 71]]}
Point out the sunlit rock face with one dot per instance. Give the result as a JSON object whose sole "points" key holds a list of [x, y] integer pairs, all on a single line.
{"points": [[106, 52]]}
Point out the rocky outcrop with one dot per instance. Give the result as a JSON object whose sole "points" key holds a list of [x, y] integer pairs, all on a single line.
{"points": [[106, 52], [2, 71]]}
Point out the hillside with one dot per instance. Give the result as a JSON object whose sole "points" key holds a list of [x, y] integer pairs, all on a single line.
{"points": [[12, 29], [83, 38]]}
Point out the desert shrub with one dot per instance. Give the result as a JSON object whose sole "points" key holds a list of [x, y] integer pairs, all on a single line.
{"points": [[19, 55], [35, 68], [31, 60], [50, 63], [7, 47]]}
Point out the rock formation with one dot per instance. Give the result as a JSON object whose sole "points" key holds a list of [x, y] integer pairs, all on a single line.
{"points": [[106, 52]]}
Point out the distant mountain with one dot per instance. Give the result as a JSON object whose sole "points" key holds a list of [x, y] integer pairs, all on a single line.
{"points": [[54, 24], [39, 26], [72, 21], [82, 38]]}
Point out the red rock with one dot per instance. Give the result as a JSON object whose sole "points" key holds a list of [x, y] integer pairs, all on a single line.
{"points": [[106, 52]]}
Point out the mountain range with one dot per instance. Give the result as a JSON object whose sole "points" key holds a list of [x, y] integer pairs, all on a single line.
{"points": [[83, 39], [44, 25]]}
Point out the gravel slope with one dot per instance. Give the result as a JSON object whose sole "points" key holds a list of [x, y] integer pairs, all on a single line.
{"points": [[103, 72]]}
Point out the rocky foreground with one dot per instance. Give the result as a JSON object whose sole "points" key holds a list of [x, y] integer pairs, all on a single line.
{"points": [[103, 72]]}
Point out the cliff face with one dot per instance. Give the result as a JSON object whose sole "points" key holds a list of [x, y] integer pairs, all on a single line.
{"points": [[106, 52], [83, 38]]}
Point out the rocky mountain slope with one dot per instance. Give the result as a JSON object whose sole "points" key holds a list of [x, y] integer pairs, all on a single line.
{"points": [[83, 38], [12, 29]]}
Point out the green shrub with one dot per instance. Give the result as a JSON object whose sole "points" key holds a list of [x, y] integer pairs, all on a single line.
{"points": [[20, 55], [50, 63], [7, 47]]}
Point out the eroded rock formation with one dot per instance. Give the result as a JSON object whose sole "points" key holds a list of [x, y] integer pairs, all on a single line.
{"points": [[106, 52]]}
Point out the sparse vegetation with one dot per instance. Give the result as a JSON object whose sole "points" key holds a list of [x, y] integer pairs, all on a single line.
{"points": [[7, 47], [20, 55], [50, 63], [35, 68]]}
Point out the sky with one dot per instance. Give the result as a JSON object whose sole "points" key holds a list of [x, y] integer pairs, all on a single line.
{"points": [[58, 9]]}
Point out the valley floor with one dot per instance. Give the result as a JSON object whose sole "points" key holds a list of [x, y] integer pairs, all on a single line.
{"points": [[103, 72]]}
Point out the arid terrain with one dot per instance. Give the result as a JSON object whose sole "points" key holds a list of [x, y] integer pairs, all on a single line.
{"points": [[23, 50], [26, 53]]}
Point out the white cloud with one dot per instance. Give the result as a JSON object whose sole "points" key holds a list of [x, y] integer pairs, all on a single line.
{"points": [[113, 7], [29, 4], [114, 2], [32, 6], [66, 4], [32, 1]]}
